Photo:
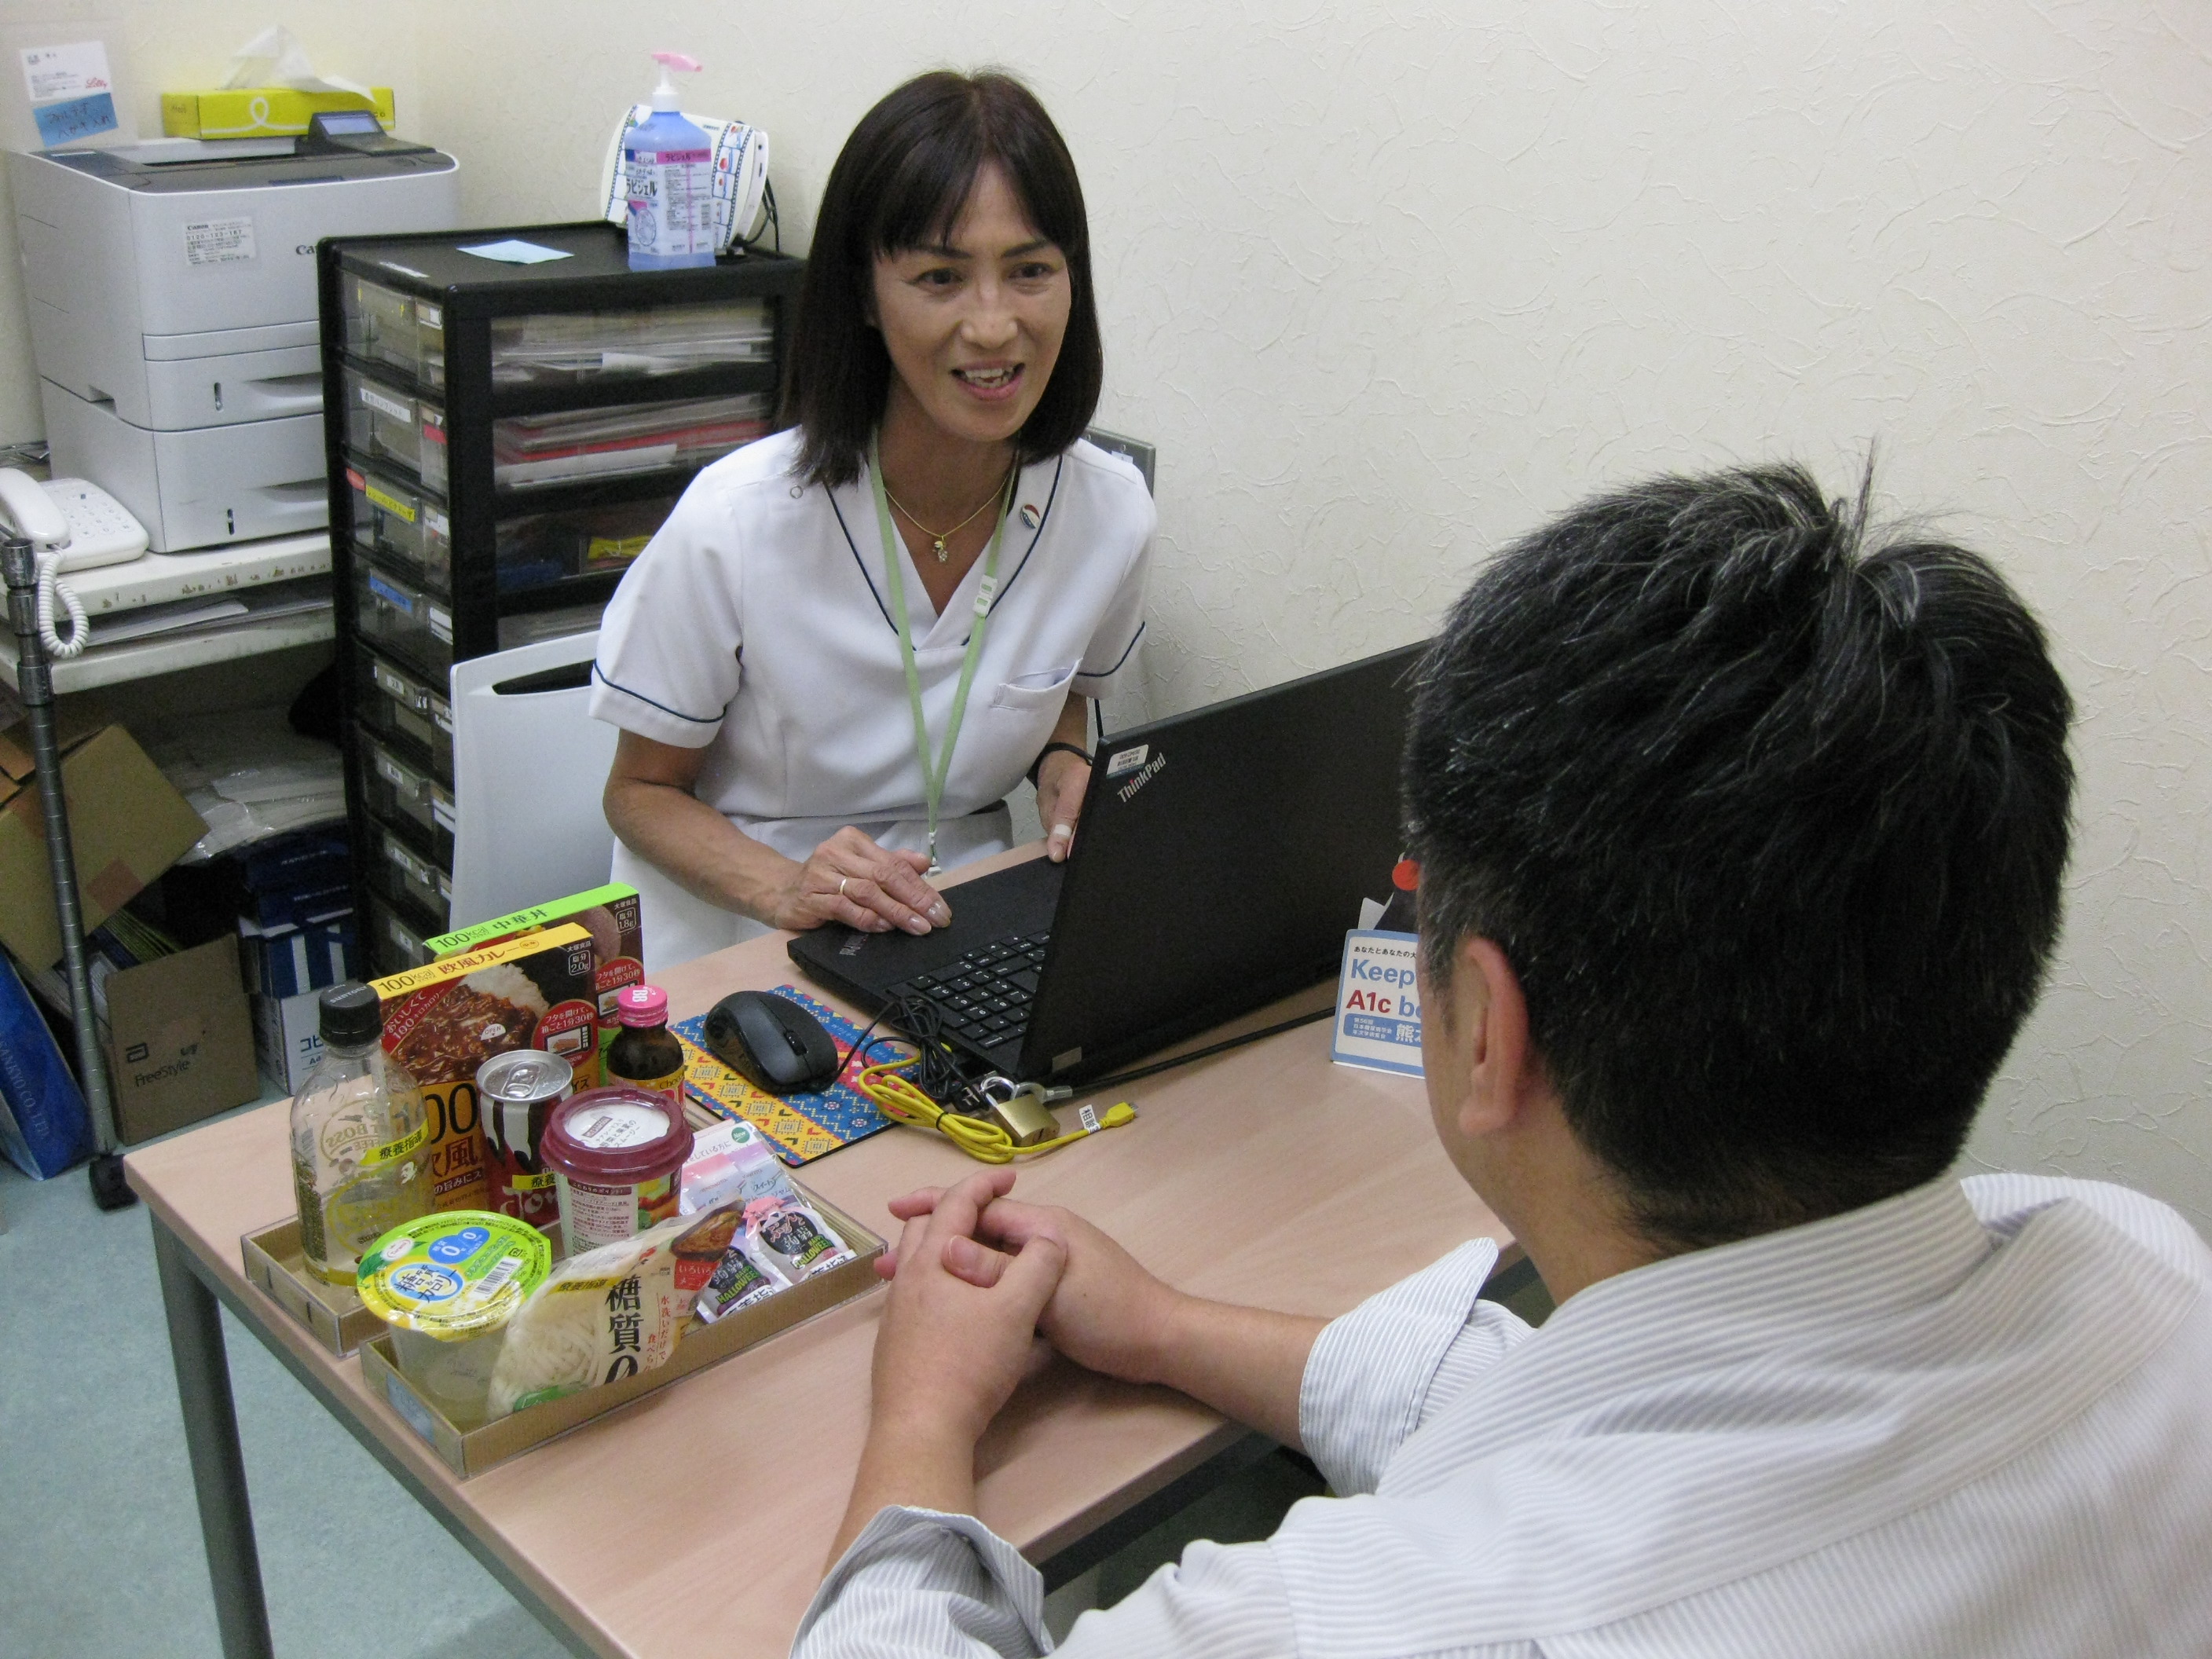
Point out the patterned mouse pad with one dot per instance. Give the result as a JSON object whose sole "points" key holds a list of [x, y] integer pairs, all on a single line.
{"points": [[802, 1128]]}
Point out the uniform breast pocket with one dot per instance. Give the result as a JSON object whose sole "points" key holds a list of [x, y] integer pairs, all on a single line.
{"points": [[1041, 693]]}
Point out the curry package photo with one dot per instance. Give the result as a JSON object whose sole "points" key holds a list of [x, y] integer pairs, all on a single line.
{"points": [[442, 1022]]}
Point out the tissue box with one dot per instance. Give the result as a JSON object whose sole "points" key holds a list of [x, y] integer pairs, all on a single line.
{"points": [[259, 112]]}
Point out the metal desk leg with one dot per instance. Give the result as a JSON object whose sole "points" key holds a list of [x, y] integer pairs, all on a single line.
{"points": [[211, 1438]]}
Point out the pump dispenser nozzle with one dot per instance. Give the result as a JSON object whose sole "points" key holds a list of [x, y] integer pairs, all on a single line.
{"points": [[663, 95]]}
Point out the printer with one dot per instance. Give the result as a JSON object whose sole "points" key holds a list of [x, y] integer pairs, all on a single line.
{"points": [[174, 317]]}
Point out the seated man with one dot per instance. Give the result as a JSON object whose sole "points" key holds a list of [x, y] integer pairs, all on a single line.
{"points": [[1741, 839]]}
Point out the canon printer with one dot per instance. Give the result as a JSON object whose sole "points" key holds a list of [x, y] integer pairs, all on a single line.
{"points": [[172, 289]]}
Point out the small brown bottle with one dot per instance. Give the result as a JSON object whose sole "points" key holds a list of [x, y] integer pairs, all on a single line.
{"points": [[645, 1052]]}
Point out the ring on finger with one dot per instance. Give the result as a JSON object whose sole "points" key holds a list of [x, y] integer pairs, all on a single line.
{"points": [[841, 880]]}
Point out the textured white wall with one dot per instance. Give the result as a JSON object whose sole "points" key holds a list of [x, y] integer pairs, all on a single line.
{"points": [[1388, 283]]}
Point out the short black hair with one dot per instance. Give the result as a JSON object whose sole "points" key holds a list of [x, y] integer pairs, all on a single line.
{"points": [[901, 182], [1771, 820]]}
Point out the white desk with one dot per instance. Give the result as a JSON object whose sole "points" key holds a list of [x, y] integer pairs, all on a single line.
{"points": [[231, 572]]}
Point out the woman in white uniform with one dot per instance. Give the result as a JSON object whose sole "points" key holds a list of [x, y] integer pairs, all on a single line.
{"points": [[851, 639]]}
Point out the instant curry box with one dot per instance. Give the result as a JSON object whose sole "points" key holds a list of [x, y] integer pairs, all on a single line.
{"points": [[442, 1022], [608, 914]]}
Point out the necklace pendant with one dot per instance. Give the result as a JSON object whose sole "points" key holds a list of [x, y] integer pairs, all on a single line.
{"points": [[938, 548]]}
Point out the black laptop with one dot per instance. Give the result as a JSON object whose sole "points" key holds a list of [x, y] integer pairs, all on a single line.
{"points": [[1220, 858]]}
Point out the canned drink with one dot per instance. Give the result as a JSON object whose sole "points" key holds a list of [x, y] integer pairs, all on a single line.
{"points": [[518, 1091]]}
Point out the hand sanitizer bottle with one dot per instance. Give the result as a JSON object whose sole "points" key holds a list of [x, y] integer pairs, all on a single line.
{"points": [[667, 165]]}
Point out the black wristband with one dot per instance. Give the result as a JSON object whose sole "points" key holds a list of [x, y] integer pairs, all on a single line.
{"points": [[1076, 750]]}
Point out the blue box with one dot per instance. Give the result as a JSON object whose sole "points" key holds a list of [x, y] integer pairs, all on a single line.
{"points": [[284, 961]]}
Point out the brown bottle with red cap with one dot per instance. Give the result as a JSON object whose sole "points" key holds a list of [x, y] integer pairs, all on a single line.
{"points": [[645, 1052]]}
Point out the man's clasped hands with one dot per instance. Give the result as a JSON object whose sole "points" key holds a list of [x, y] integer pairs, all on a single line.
{"points": [[976, 1277]]}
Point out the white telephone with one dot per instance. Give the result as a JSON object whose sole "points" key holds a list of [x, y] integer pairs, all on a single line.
{"points": [[75, 525]]}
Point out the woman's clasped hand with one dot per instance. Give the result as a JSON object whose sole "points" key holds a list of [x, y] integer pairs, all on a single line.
{"points": [[849, 878]]}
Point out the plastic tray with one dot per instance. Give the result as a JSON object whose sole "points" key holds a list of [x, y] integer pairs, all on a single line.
{"points": [[394, 328], [400, 709], [472, 1453], [400, 616], [395, 428]]}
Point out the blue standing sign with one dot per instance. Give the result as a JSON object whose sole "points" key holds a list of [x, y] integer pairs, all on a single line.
{"points": [[1378, 1004]]}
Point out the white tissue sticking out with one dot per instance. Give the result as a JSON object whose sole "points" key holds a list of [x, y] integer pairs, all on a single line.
{"points": [[274, 58]]}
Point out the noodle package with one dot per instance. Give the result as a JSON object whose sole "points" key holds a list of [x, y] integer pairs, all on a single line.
{"points": [[599, 1317]]}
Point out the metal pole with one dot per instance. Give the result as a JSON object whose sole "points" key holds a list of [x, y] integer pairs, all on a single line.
{"points": [[34, 688]]}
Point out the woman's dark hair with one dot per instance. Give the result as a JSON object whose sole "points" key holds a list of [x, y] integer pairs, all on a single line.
{"points": [[901, 182], [1769, 814]]}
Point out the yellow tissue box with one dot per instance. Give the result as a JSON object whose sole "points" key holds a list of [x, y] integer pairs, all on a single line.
{"points": [[259, 112]]}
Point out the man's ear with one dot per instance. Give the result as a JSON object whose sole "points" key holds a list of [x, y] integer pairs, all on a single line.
{"points": [[1505, 1073]]}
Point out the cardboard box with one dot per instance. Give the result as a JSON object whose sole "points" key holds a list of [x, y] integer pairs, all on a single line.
{"points": [[442, 1022], [180, 1041], [282, 962], [609, 913], [260, 112], [127, 825], [699, 1347], [288, 1038]]}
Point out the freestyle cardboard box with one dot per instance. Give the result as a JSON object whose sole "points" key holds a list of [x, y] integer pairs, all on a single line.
{"points": [[179, 1040], [608, 914], [127, 825], [442, 1022], [260, 112]]}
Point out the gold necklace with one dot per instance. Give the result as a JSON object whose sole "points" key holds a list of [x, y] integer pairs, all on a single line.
{"points": [[937, 536]]}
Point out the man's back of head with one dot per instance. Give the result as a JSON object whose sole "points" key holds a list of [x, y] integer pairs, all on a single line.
{"points": [[1770, 818]]}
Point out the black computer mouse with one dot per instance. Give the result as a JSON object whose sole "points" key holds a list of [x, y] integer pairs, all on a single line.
{"points": [[772, 1042]]}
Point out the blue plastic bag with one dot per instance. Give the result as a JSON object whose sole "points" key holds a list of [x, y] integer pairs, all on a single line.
{"points": [[43, 1125]]}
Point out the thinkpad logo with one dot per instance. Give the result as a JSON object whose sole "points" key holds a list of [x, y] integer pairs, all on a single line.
{"points": [[851, 947], [1151, 769]]}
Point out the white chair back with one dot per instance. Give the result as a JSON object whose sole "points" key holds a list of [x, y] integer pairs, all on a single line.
{"points": [[529, 765]]}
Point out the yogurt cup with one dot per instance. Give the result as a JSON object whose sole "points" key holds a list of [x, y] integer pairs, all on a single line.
{"points": [[617, 1155], [446, 1284]]}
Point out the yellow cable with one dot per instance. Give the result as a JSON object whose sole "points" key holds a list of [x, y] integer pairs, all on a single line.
{"points": [[898, 1099]]}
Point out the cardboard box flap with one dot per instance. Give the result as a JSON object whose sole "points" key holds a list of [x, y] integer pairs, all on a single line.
{"points": [[127, 825], [75, 721]]}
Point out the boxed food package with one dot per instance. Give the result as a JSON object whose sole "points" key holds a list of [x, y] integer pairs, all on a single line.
{"points": [[609, 913], [442, 1022]]}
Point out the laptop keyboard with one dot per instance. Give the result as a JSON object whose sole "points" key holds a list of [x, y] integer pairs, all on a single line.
{"points": [[985, 996]]}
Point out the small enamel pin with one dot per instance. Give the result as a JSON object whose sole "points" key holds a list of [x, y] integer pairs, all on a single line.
{"points": [[1030, 516]]}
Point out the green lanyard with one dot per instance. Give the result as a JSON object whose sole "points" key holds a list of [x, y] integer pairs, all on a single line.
{"points": [[934, 774]]}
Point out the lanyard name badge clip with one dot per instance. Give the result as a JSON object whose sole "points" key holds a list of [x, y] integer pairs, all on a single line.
{"points": [[934, 772]]}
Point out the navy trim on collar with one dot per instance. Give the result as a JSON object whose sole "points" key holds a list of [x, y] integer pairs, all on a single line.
{"points": [[1051, 496], [881, 610]]}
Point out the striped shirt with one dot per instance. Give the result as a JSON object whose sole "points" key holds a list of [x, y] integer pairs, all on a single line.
{"points": [[1973, 1420]]}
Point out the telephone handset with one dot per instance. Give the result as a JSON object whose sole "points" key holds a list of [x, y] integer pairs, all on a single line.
{"points": [[75, 525]]}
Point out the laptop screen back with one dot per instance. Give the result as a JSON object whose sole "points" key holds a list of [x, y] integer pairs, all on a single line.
{"points": [[1223, 855]]}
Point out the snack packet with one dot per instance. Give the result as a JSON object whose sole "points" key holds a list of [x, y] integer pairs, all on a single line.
{"points": [[739, 1280], [785, 1229]]}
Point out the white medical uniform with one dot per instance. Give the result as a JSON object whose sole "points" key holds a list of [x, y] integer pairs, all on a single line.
{"points": [[756, 625]]}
